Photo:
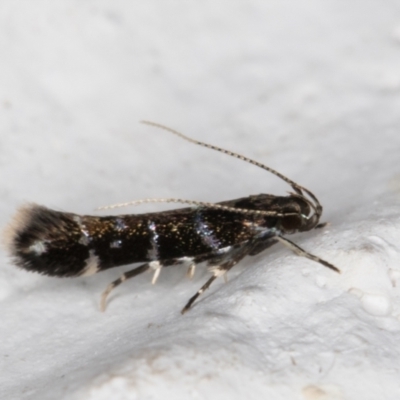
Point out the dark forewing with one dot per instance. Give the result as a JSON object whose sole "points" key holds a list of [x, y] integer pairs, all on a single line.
{"points": [[66, 244]]}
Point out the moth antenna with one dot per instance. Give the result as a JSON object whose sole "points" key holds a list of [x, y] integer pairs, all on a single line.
{"points": [[195, 203], [228, 152], [296, 187]]}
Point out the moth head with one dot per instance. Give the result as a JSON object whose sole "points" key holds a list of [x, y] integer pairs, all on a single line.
{"points": [[302, 214]]}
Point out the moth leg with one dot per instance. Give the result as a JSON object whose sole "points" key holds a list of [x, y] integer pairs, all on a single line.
{"points": [[300, 252], [261, 245], [127, 275], [219, 270], [188, 261], [156, 266], [191, 270], [199, 292]]}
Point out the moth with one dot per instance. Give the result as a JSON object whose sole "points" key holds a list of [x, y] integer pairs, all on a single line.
{"points": [[63, 244]]}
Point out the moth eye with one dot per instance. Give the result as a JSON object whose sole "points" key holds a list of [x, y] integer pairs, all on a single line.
{"points": [[304, 207], [291, 222]]}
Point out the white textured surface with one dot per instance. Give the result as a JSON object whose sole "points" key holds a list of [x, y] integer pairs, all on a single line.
{"points": [[311, 88]]}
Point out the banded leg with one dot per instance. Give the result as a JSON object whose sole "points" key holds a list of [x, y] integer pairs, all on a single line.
{"points": [[191, 270], [156, 266], [127, 275], [261, 245], [219, 270], [190, 262], [199, 292], [300, 252]]}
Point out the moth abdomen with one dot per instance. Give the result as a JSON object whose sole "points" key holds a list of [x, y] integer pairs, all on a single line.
{"points": [[65, 244], [46, 241]]}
